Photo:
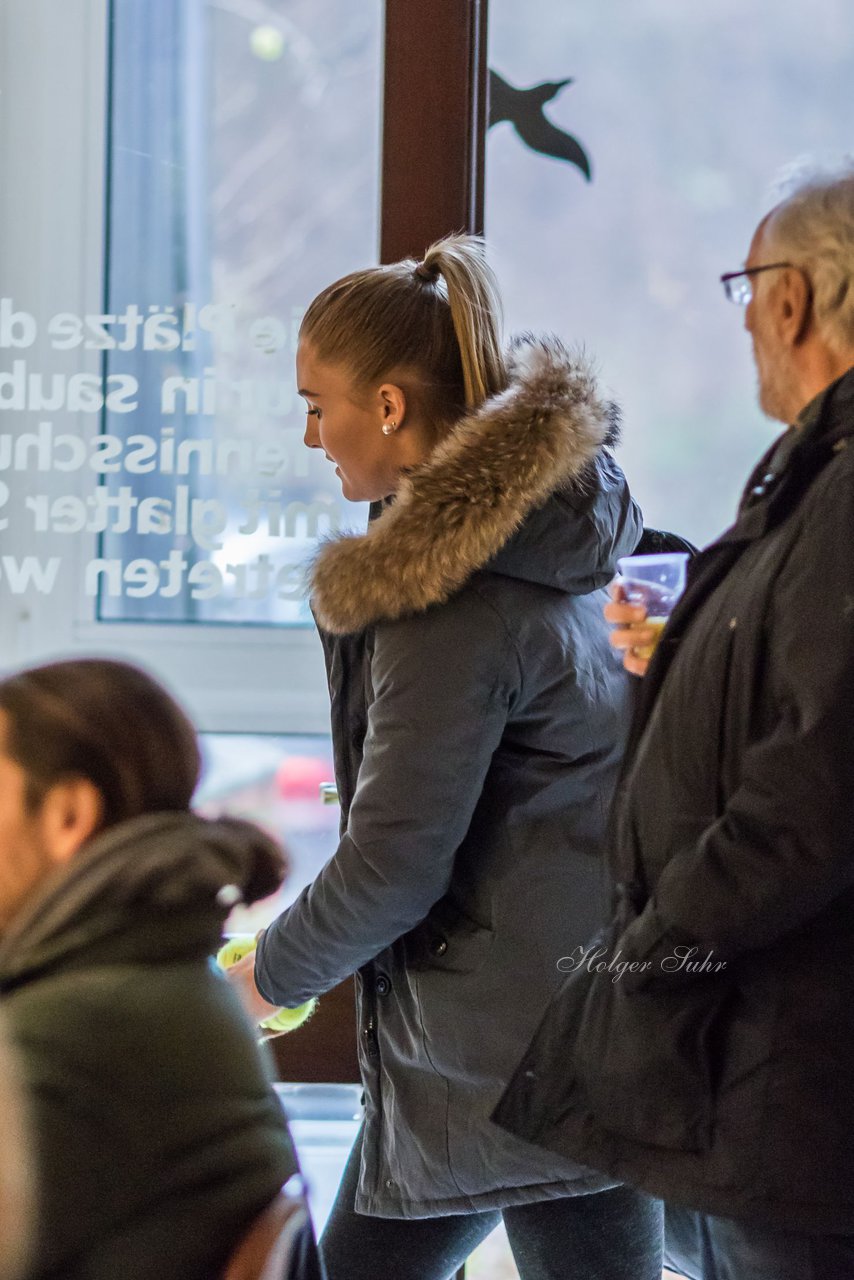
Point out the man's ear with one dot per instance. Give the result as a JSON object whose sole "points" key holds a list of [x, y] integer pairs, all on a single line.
{"points": [[69, 815], [794, 306]]}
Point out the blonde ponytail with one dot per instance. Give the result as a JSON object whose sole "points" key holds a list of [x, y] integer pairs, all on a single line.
{"points": [[438, 319], [475, 304]]}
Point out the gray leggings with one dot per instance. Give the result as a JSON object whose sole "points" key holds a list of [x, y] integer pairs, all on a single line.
{"points": [[612, 1235]]}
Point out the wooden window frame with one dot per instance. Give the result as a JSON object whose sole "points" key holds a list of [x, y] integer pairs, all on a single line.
{"points": [[434, 123]]}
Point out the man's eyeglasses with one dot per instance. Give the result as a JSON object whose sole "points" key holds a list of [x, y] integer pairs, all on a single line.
{"points": [[738, 285]]}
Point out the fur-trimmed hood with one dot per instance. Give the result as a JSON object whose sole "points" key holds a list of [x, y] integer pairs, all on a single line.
{"points": [[522, 486]]}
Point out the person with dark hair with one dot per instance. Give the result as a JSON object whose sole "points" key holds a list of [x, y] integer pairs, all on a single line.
{"points": [[156, 1132], [477, 714]]}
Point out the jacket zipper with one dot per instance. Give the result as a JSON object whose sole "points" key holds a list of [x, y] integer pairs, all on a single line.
{"points": [[372, 1047], [369, 1031]]}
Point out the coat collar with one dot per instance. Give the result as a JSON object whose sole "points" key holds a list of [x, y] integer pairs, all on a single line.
{"points": [[162, 866], [455, 511], [770, 496], [787, 469]]}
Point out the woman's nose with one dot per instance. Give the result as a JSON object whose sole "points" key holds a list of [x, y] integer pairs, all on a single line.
{"points": [[311, 439]]}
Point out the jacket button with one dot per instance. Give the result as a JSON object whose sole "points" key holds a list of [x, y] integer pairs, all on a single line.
{"points": [[382, 984], [439, 946]]}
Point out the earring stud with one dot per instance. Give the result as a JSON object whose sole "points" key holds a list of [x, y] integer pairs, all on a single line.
{"points": [[389, 427]]}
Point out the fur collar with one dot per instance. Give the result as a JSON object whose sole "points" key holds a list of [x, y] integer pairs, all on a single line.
{"points": [[455, 511]]}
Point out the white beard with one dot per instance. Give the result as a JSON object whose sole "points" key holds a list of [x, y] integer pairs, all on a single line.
{"points": [[777, 386]]}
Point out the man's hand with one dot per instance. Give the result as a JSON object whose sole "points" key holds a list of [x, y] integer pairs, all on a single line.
{"points": [[242, 977], [636, 640]]}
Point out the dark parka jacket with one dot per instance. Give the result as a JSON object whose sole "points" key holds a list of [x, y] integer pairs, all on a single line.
{"points": [[718, 1072], [157, 1134], [477, 719]]}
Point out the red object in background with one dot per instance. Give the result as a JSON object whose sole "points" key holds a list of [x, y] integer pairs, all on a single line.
{"points": [[299, 777]]}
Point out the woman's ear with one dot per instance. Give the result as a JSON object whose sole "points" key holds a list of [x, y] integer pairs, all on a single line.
{"points": [[392, 400], [70, 814]]}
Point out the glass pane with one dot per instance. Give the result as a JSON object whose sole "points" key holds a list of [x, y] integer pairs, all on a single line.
{"points": [[243, 178], [274, 781], [179, 180], [686, 112]]}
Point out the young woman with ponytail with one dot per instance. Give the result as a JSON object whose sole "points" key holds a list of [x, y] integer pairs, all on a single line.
{"points": [[477, 714]]}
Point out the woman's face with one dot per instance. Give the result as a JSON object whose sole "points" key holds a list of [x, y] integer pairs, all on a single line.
{"points": [[347, 425]]}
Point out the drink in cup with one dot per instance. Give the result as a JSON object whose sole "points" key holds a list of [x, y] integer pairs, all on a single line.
{"points": [[656, 582]]}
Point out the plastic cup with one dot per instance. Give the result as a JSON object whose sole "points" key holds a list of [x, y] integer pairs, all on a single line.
{"points": [[656, 582]]}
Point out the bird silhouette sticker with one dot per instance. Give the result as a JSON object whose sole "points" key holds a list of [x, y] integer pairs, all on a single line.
{"points": [[525, 109]]}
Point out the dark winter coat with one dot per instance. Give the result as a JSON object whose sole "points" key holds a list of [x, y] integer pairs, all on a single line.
{"points": [[719, 1073], [476, 709], [157, 1134]]}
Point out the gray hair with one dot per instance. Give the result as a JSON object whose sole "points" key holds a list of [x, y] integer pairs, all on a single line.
{"points": [[813, 227]]}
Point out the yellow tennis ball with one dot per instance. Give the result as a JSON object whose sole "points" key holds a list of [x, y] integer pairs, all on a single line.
{"points": [[238, 947], [290, 1019], [235, 948]]}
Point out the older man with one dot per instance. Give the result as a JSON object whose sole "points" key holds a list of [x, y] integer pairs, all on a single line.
{"points": [[710, 1060], [156, 1133]]}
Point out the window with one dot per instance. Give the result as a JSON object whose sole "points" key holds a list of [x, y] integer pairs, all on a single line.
{"points": [[275, 781], [180, 180], [686, 113], [243, 157]]}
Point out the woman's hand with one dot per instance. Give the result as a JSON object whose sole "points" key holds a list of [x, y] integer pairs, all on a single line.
{"points": [[242, 977], [636, 640]]}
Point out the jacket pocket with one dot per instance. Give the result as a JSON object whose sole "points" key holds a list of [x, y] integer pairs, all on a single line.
{"points": [[647, 1061], [448, 940]]}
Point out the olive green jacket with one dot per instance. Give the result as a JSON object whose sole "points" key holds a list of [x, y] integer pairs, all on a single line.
{"points": [[157, 1134]]}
